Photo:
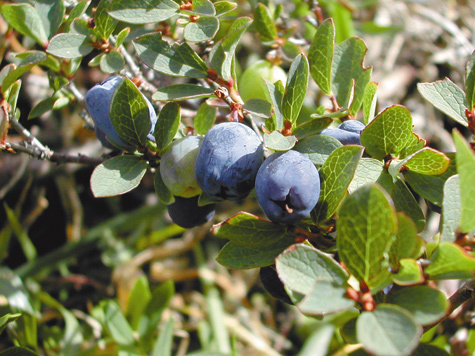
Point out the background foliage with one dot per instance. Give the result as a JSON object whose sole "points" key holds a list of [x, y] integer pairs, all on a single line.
{"points": [[114, 276]]}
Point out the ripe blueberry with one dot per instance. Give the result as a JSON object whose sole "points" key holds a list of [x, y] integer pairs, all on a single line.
{"points": [[345, 137], [228, 160], [354, 126], [287, 187], [186, 212]]}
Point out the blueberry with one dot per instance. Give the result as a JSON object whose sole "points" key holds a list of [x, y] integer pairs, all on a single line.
{"points": [[177, 166], [273, 285], [98, 101], [345, 137], [186, 212], [287, 187], [228, 160], [354, 126]]}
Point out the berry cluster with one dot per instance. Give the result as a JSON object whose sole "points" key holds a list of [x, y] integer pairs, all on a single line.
{"points": [[225, 164]]}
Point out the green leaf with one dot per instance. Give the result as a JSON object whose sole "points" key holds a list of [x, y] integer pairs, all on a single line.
{"points": [[116, 324], [78, 10], [15, 292], [370, 98], [318, 343], [430, 187], [264, 24], [446, 96], [42, 107], [274, 94], [278, 142], [28, 60], [201, 8], [426, 161], [395, 338], [143, 11], [203, 29], [407, 243], [470, 82], [29, 250], [11, 95], [451, 209], [311, 127], [117, 176], [365, 228], [405, 201], [348, 69], [175, 60], [368, 171], [25, 19], [204, 118], [450, 261], [6, 319], [182, 92], [326, 297], [335, 176], [300, 266], [112, 62], [465, 157], [320, 56], [161, 298], [69, 45], [18, 351], [290, 50], [105, 24], [408, 273], [223, 7], [254, 242], [51, 13], [167, 125], [222, 54], [258, 107], [138, 300], [426, 304], [162, 191], [72, 337], [122, 36], [129, 112], [342, 16], [388, 133], [318, 148], [4, 72], [296, 89], [164, 344], [414, 144]]}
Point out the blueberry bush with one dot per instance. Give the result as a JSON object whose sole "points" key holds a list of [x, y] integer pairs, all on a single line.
{"points": [[234, 178]]}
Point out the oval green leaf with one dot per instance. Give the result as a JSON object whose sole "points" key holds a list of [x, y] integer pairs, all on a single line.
{"points": [[336, 175], [300, 266], [117, 176], [278, 142], [295, 89], [143, 11], [426, 304], [398, 337], [388, 133], [69, 45], [365, 228], [175, 60], [202, 30]]}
